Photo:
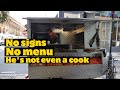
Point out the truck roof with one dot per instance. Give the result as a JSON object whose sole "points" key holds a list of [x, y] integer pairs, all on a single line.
{"points": [[62, 20], [84, 19]]}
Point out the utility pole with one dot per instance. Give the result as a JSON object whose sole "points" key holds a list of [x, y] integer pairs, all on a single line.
{"points": [[110, 73]]}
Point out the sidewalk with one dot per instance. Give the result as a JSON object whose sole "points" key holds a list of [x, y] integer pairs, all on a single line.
{"points": [[101, 77], [117, 76], [20, 77], [12, 76], [2, 48]]}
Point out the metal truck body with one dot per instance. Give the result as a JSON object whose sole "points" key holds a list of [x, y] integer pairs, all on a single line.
{"points": [[77, 37]]}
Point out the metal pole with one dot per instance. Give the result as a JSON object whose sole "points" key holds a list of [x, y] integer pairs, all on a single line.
{"points": [[116, 32], [111, 73]]}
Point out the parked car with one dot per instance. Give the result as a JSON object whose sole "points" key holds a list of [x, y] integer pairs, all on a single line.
{"points": [[2, 37]]}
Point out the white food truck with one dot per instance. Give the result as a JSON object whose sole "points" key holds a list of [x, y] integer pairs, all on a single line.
{"points": [[76, 38]]}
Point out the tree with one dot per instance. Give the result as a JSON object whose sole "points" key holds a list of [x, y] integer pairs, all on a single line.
{"points": [[3, 16]]}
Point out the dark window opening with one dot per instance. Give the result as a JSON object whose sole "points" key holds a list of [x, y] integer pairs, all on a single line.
{"points": [[45, 36], [114, 34], [114, 44], [0, 30], [79, 41], [85, 15]]}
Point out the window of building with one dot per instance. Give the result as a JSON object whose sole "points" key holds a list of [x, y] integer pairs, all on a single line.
{"points": [[97, 14], [3, 30], [107, 30], [105, 33], [0, 30], [118, 34], [114, 44], [103, 30], [114, 34]]}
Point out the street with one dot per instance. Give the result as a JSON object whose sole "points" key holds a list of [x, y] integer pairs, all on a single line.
{"points": [[17, 68], [116, 56]]}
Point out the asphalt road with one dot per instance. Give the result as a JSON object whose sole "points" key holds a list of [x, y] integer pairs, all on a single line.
{"points": [[116, 56], [115, 52], [115, 49]]}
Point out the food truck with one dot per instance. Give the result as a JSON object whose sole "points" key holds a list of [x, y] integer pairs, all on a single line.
{"points": [[76, 38]]}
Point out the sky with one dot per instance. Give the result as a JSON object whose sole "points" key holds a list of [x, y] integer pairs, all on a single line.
{"points": [[18, 15]]}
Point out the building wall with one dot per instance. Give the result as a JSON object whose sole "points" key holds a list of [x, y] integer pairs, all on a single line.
{"points": [[11, 26], [116, 34], [104, 32], [71, 15], [106, 29], [90, 15]]}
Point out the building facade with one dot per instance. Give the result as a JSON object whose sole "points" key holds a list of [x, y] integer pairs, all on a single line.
{"points": [[11, 26], [105, 27], [106, 15], [116, 33]]}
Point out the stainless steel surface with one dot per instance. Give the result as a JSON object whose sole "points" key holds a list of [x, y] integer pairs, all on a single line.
{"points": [[68, 71], [71, 71]]}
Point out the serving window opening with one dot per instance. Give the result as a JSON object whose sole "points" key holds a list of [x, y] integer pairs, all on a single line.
{"points": [[68, 34]]}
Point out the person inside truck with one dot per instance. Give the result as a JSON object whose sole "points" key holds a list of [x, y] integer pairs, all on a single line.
{"points": [[52, 37]]}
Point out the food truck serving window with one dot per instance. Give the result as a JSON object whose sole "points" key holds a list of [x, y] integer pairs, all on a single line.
{"points": [[39, 35]]}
